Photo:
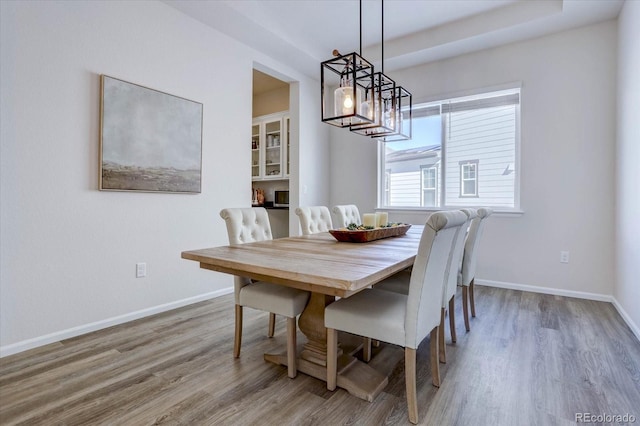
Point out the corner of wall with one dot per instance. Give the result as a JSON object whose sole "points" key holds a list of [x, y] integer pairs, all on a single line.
{"points": [[626, 317]]}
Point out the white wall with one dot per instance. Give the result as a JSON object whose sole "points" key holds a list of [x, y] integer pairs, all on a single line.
{"points": [[568, 138], [354, 170], [627, 289], [68, 251], [311, 162]]}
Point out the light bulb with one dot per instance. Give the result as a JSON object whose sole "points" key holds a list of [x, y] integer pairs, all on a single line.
{"points": [[348, 102], [345, 101]]}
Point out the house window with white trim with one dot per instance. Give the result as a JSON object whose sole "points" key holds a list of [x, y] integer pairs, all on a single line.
{"points": [[429, 186], [469, 178]]}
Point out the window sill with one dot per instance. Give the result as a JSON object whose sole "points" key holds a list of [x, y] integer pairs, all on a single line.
{"points": [[496, 212]]}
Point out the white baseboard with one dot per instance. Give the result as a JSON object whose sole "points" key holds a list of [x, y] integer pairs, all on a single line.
{"points": [[546, 290], [568, 293], [625, 316], [24, 345]]}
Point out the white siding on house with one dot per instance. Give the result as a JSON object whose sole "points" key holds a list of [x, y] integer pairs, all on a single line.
{"points": [[405, 189], [487, 136]]}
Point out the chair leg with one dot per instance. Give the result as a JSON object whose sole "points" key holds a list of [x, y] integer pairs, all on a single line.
{"points": [[472, 299], [465, 306], [452, 318], [410, 381], [272, 324], [332, 358], [291, 347], [238, 337], [443, 353], [366, 350], [435, 365]]}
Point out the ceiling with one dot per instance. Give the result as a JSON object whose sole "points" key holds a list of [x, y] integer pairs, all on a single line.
{"points": [[303, 33]]}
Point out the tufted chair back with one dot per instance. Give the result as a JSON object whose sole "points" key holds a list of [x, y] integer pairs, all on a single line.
{"points": [[471, 245], [427, 281], [314, 219], [246, 225], [346, 215], [455, 260]]}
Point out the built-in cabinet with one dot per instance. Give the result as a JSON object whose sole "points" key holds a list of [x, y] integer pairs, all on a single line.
{"points": [[270, 147], [271, 166]]}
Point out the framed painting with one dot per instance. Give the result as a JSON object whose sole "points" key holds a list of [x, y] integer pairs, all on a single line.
{"points": [[149, 140]]}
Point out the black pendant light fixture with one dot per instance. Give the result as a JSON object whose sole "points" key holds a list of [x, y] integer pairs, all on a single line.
{"points": [[383, 101], [395, 105], [346, 80], [369, 103]]}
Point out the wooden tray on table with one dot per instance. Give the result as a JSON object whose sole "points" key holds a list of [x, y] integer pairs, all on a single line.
{"points": [[366, 235]]}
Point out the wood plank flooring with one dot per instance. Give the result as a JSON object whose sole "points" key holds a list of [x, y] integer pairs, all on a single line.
{"points": [[530, 359]]}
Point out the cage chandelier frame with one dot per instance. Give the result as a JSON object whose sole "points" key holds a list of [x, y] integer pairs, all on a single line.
{"points": [[369, 103]]}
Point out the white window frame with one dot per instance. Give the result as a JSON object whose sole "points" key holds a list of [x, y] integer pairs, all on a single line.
{"points": [[510, 88], [423, 188], [463, 180]]}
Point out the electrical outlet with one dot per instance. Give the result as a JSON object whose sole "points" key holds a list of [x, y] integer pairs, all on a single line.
{"points": [[564, 257], [141, 270]]}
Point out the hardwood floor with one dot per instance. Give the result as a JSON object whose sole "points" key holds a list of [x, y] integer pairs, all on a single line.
{"points": [[529, 359]]}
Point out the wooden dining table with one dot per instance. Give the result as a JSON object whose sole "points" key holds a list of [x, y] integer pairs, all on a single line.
{"points": [[328, 269]]}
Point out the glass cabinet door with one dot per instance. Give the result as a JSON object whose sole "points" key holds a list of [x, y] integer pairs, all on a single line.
{"points": [[273, 157], [255, 150], [270, 147]]}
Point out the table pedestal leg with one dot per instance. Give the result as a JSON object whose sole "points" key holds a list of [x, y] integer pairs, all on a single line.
{"points": [[360, 379], [311, 323]]}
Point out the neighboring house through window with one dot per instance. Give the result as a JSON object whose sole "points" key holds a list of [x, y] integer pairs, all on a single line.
{"points": [[464, 152]]}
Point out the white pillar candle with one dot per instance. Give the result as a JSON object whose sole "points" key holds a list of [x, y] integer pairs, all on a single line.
{"points": [[382, 218], [369, 219]]}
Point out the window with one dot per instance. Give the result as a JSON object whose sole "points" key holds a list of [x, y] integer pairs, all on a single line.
{"points": [[464, 152], [429, 186], [469, 178]]}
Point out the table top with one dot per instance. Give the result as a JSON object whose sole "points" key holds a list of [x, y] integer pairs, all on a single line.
{"points": [[316, 263]]}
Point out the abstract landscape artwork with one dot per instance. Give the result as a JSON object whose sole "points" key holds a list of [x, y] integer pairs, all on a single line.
{"points": [[149, 140]]}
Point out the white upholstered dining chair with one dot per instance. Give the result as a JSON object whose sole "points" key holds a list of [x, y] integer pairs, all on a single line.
{"points": [[245, 225], [467, 274], [346, 215], [399, 283], [401, 319], [314, 219]]}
